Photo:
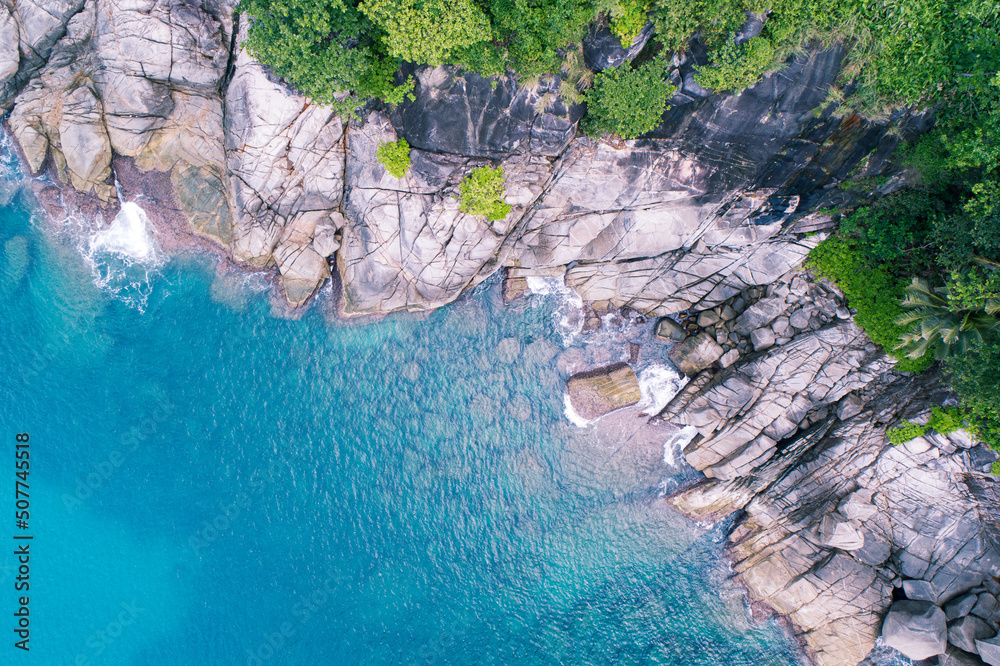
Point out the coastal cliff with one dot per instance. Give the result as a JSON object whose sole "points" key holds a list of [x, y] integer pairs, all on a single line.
{"points": [[707, 216]]}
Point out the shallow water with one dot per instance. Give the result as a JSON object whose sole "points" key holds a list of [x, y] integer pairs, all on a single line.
{"points": [[214, 484]]}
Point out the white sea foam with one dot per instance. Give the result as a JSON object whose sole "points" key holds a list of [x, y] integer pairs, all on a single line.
{"points": [[658, 384], [124, 256], [128, 235], [677, 443], [571, 414], [569, 312]]}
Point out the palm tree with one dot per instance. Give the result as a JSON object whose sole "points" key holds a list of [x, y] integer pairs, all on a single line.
{"points": [[935, 322]]}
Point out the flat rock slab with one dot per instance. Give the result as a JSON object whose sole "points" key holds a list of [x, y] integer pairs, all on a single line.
{"points": [[596, 392]]}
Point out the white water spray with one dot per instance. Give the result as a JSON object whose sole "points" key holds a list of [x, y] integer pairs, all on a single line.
{"points": [[658, 384], [123, 255], [677, 443], [569, 313]]}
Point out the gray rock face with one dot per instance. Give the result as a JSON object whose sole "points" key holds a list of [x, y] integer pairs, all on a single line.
{"points": [[915, 628], [989, 650], [834, 516], [603, 50], [964, 632], [10, 58], [465, 114]]}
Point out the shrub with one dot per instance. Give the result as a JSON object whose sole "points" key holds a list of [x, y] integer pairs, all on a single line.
{"points": [[975, 376], [394, 156], [949, 419], [628, 102], [872, 291], [906, 431], [482, 193], [628, 18], [891, 230], [736, 67]]}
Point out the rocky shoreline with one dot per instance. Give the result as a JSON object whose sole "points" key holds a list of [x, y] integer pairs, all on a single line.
{"points": [[707, 219]]}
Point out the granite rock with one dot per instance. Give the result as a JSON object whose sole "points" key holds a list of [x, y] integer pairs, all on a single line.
{"points": [[916, 628]]}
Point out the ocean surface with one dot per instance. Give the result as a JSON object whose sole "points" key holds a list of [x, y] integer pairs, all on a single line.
{"points": [[213, 482]]}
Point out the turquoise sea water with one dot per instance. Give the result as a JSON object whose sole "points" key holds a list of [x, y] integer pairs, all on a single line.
{"points": [[214, 484]]}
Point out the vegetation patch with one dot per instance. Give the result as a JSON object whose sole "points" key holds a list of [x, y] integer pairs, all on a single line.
{"points": [[482, 193], [628, 102], [872, 291], [394, 156]]}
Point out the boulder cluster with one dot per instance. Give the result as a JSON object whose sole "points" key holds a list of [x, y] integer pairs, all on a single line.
{"points": [[963, 630]]}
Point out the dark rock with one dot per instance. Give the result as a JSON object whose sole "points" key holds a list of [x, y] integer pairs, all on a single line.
{"points": [[603, 50], [989, 650], [960, 607], [466, 114], [753, 26], [668, 329], [956, 657], [964, 632]]}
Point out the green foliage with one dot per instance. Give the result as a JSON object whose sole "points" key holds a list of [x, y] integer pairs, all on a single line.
{"points": [[325, 48], [872, 291], [943, 420], [394, 156], [906, 431], [716, 20], [534, 31], [482, 193], [975, 376], [893, 229], [427, 31], [628, 102], [974, 289], [946, 420], [935, 324], [628, 18], [736, 67]]}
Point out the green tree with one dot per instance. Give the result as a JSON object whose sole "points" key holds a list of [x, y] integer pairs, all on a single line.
{"points": [[482, 193], [325, 48], [628, 102], [427, 31], [937, 325]]}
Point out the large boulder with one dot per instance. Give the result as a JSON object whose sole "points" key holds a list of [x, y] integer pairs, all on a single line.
{"points": [[597, 392], [695, 354], [917, 629]]}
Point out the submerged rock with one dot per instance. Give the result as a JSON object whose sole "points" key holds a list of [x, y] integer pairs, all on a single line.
{"points": [[597, 392]]}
